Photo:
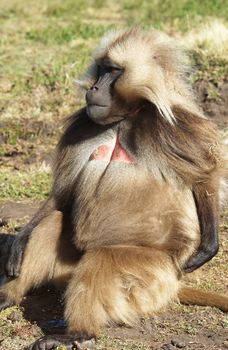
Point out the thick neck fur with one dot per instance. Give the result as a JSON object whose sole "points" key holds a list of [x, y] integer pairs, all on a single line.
{"points": [[185, 152]]}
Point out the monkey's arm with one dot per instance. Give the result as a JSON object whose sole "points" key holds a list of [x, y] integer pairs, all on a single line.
{"points": [[207, 205], [18, 247]]}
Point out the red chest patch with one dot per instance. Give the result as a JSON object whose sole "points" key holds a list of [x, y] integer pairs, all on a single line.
{"points": [[112, 151]]}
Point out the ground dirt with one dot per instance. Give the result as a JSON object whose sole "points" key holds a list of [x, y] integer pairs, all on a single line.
{"points": [[187, 327]]}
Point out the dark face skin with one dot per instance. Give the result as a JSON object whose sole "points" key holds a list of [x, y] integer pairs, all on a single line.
{"points": [[99, 97]]}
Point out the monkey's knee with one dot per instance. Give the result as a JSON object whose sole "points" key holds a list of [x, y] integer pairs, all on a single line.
{"points": [[10, 294], [120, 285], [5, 301], [31, 275], [13, 291]]}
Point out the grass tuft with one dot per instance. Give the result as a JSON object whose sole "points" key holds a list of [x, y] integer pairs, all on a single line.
{"points": [[27, 184], [66, 34], [209, 54]]}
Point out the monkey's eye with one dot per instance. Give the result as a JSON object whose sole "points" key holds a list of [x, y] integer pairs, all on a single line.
{"points": [[115, 71]]}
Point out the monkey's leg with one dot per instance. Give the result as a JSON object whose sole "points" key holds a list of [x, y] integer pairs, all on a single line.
{"points": [[113, 284], [39, 260]]}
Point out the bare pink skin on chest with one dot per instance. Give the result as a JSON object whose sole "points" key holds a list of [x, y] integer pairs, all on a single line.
{"points": [[112, 151]]}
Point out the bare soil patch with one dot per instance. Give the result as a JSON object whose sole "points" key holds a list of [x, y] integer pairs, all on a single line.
{"points": [[214, 101]]}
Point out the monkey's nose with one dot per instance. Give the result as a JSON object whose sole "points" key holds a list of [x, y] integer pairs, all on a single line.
{"points": [[93, 96], [94, 88]]}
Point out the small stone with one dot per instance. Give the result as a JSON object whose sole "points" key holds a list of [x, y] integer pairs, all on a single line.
{"points": [[15, 316], [3, 222], [166, 347], [6, 85], [226, 344], [85, 344], [178, 344]]}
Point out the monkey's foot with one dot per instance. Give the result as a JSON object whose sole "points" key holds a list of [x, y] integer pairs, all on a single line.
{"points": [[5, 302], [49, 342]]}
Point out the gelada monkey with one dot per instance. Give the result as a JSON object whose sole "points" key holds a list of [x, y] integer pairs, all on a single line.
{"points": [[135, 197]]}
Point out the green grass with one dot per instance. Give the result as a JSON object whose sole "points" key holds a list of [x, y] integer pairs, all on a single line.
{"points": [[209, 67], [106, 342], [41, 37], [20, 185], [177, 15], [66, 34]]}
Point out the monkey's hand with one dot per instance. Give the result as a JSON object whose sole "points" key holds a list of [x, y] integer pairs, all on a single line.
{"points": [[49, 342], [206, 200], [6, 241], [203, 255], [16, 253]]}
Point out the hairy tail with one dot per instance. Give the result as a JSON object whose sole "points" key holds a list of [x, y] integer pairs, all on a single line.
{"points": [[193, 296]]}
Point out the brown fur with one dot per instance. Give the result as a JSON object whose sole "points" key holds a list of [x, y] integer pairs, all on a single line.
{"points": [[120, 234], [192, 296]]}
